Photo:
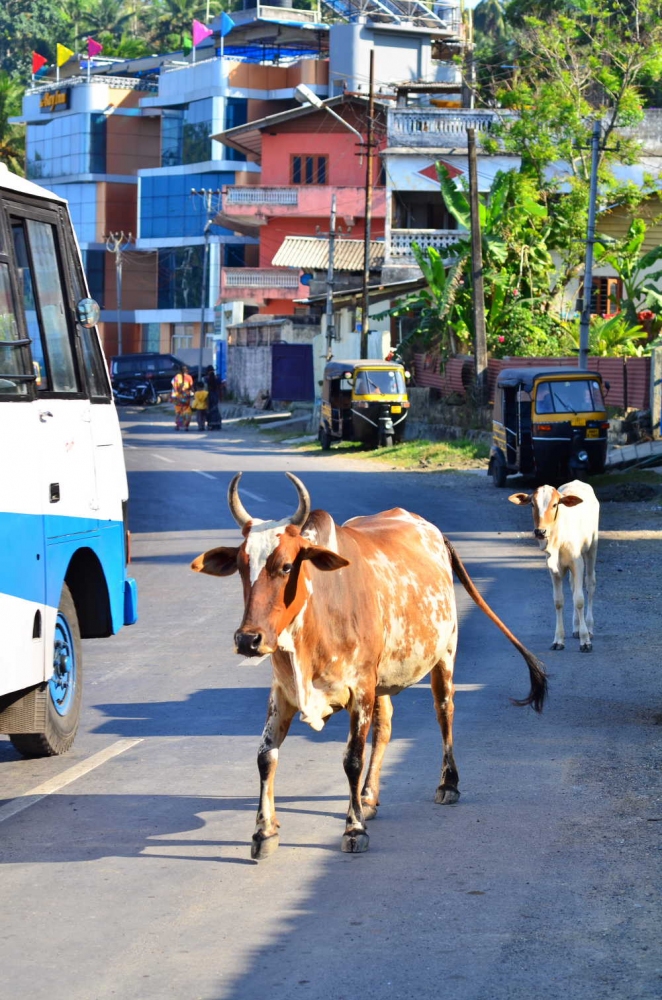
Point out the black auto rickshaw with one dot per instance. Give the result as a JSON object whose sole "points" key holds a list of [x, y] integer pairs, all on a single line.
{"points": [[550, 423], [363, 401]]}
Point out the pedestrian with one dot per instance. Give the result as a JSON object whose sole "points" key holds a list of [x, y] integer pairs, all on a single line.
{"points": [[200, 404], [214, 421], [182, 390]]}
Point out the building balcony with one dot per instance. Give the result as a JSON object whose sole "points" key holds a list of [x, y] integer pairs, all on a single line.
{"points": [[258, 204], [259, 284], [435, 127], [399, 251]]}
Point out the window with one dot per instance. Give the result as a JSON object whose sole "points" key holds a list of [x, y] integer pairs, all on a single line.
{"points": [[182, 337], [310, 169], [606, 294], [15, 373], [44, 305], [575, 396]]}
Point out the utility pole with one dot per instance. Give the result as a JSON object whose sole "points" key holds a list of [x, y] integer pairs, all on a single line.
{"points": [[365, 298], [210, 211], [330, 330], [585, 319], [477, 290], [117, 244]]}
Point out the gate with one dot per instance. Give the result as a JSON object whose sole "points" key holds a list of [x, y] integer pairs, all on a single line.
{"points": [[292, 372]]}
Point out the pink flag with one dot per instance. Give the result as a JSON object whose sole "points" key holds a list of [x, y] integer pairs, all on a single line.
{"points": [[93, 48], [199, 32]]}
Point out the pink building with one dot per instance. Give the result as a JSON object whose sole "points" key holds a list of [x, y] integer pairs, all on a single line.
{"points": [[306, 156]]}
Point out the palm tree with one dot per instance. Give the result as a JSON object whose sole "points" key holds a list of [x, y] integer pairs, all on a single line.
{"points": [[173, 18], [12, 137], [107, 16]]}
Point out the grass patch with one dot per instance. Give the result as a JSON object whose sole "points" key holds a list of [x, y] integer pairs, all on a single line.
{"points": [[435, 455], [460, 454], [627, 476]]}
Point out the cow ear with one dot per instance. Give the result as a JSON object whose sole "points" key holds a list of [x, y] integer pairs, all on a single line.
{"points": [[520, 498], [216, 562], [322, 558], [570, 500]]}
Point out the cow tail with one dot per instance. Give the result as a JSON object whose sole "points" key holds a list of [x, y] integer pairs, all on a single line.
{"points": [[538, 691]]}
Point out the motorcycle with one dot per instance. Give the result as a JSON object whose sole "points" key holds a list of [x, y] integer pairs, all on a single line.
{"points": [[136, 392]]}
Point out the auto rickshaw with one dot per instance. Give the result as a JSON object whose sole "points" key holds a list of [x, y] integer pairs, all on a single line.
{"points": [[363, 401], [550, 423]]}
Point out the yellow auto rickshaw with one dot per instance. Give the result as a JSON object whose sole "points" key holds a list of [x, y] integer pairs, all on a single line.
{"points": [[363, 401], [550, 423]]}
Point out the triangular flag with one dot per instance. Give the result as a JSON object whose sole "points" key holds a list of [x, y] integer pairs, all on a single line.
{"points": [[227, 24], [93, 47], [200, 31], [38, 62], [63, 54]]}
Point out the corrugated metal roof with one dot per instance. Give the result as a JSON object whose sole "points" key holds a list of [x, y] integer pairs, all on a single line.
{"points": [[312, 253]]}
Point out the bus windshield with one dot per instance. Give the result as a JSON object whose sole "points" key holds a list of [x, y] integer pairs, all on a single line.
{"points": [[574, 396], [388, 382]]}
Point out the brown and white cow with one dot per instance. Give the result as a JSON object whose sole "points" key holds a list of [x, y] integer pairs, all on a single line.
{"points": [[568, 535], [350, 616]]}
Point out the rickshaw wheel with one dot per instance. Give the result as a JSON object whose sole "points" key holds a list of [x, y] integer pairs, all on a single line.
{"points": [[325, 439], [498, 475]]}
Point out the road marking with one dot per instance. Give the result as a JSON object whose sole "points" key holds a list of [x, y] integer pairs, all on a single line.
{"points": [[40, 792], [252, 661], [456, 687], [163, 458], [253, 496], [205, 474]]}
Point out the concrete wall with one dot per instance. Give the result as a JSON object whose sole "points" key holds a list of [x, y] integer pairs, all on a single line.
{"points": [[249, 371]]}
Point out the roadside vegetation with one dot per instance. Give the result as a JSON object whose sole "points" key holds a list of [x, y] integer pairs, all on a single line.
{"points": [[436, 456]]}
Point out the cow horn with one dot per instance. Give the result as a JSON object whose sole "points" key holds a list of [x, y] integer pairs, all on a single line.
{"points": [[303, 510], [237, 509]]}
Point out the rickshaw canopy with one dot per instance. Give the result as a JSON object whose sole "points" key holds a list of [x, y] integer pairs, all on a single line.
{"points": [[524, 378]]}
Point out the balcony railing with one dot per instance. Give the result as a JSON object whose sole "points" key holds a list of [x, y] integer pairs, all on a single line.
{"points": [[261, 196], [435, 127], [259, 277], [400, 249]]}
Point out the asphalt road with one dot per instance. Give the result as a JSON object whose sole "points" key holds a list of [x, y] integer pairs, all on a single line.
{"points": [[132, 879]]}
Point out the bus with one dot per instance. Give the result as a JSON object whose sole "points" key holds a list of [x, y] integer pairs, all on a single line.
{"points": [[64, 541]]}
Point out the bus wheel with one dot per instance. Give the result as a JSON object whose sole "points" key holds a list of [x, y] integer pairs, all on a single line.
{"points": [[62, 694]]}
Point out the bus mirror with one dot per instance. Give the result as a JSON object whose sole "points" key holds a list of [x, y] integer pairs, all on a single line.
{"points": [[87, 313]]}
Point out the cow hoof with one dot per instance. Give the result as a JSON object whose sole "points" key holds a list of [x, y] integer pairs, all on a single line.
{"points": [[586, 647], [262, 847], [369, 811], [355, 843], [446, 796], [557, 645], [575, 635]]}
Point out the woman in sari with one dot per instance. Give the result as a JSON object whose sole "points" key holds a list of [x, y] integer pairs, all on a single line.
{"points": [[182, 394]]}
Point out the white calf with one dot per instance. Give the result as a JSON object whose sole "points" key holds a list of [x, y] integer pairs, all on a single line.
{"points": [[568, 535]]}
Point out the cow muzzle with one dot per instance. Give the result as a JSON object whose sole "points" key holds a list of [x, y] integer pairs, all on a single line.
{"points": [[540, 533], [250, 643]]}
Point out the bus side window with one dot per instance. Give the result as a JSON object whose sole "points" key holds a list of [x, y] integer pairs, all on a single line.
{"points": [[15, 373], [45, 308]]}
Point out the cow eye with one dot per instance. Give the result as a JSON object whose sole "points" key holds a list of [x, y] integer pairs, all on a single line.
{"points": [[287, 568]]}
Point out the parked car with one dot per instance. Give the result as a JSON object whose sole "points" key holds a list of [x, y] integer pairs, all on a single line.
{"points": [[127, 369]]}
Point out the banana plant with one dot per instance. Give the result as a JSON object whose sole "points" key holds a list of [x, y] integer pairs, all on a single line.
{"points": [[637, 272]]}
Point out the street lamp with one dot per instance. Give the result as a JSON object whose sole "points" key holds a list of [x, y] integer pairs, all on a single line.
{"points": [[304, 95], [206, 194]]}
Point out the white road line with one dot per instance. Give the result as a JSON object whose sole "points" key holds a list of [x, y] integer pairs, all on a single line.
{"points": [[253, 496], [71, 774], [205, 474], [163, 458]]}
